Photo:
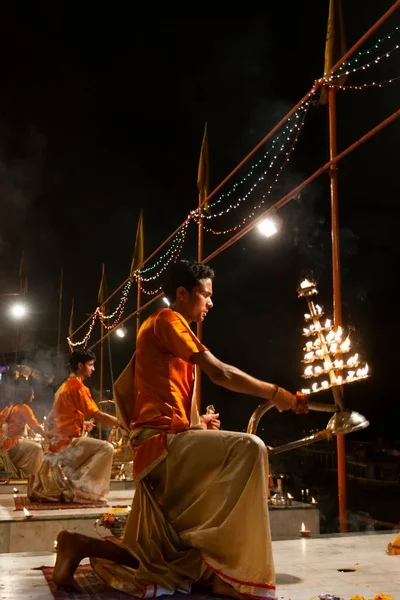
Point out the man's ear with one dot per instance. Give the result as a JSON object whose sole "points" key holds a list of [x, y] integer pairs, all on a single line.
{"points": [[181, 293]]}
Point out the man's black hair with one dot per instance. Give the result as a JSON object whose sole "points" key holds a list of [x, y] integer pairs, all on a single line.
{"points": [[22, 392], [186, 273], [80, 356]]}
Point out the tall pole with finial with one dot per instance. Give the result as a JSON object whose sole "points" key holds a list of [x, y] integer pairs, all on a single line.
{"points": [[203, 188], [136, 264], [335, 48]]}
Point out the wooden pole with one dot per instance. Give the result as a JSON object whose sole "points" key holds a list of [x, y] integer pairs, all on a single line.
{"points": [[101, 375], [138, 300], [337, 292], [199, 331]]}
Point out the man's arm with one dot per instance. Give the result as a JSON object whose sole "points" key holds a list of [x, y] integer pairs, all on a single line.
{"points": [[234, 379], [105, 418]]}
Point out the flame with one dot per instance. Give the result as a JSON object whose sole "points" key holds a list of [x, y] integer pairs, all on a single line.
{"points": [[26, 512], [328, 323], [290, 496], [345, 346], [15, 490], [303, 527], [306, 284], [313, 500]]}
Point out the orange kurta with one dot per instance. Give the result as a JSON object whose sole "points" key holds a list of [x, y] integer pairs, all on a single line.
{"points": [[20, 415], [160, 378], [73, 402]]}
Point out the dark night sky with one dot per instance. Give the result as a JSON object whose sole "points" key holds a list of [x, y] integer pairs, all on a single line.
{"points": [[102, 113]]}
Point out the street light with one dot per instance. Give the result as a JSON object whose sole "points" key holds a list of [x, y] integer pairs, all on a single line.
{"points": [[267, 227], [18, 311], [121, 331]]}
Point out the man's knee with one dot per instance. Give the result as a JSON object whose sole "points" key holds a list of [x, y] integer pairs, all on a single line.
{"points": [[254, 445]]}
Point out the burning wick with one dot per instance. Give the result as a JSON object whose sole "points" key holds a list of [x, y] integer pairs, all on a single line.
{"points": [[304, 532], [27, 514]]}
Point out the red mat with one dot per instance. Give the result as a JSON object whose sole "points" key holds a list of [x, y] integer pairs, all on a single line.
{"points": [[91, 586], [22, 502], [94, 588]]}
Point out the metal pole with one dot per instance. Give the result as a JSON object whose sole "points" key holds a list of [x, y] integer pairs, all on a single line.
{"points": [[337, 292], [138, 300], [199, 325], [101, 376]]}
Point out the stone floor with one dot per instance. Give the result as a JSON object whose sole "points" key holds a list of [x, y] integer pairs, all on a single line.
{"points": [[305, 568]]}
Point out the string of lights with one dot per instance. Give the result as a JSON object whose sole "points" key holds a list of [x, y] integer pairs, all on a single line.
{"points": [[256, 207], [175, 240], [364, 67], [375, 46], [261, 178], [254, 166], [364, 85], [173, 254]]}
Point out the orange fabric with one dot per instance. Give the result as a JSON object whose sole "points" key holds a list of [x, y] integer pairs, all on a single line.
{"points": [[164, 375], [155, 390], [148, 453], [72, 404], [20, 415]]}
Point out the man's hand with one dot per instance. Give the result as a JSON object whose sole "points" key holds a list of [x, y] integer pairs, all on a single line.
{"points": [[283, 400], [211, 421], [88, 426]]}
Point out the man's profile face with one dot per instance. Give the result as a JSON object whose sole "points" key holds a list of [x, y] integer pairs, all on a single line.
{"points": [[198, 301], [86, 369]]}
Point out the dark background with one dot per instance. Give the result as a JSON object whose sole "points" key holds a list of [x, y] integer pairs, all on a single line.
{"points": [[102, 112]]}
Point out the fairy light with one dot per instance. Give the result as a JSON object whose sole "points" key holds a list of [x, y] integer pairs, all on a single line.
{"points": [[362, 86], [261, 178], [325, 353], [375, 46], [175, 241], [173, 256], [364, 67], [255, 208], [283, 133]]}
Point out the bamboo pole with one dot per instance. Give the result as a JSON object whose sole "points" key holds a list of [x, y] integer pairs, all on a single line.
{"points": [[337, 293], [138, 300], [101, 375], [199, 325]]}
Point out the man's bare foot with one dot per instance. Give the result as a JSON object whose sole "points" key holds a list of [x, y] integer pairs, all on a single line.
{"points": [[68, 559], [221, 588]]}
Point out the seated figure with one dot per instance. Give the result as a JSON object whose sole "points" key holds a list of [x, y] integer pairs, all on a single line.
{"points": [[21, 456], [75, 468]]}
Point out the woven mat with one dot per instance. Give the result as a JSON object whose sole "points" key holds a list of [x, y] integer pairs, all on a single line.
{"points": [[91, 586], [22, 502], [94, 588]]}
